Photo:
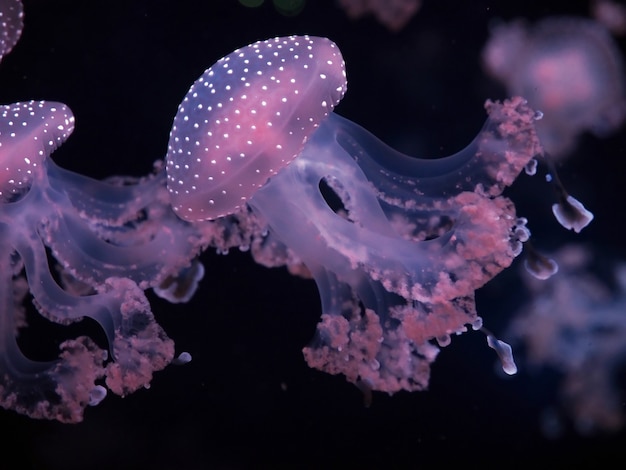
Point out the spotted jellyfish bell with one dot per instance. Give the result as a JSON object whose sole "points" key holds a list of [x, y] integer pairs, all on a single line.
{"points": [[269, 96], [29, 132]]}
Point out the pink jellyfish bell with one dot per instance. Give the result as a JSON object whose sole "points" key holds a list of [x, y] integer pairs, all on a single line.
{"points": [[29, 132], [246, 118]]}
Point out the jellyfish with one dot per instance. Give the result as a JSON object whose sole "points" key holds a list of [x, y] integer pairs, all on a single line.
{"points": [[83, 248], [394, 14], [568, 68], [396, 245], [574, 326]]}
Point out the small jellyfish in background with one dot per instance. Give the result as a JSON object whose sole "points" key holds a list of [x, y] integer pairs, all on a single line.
{"points": [[611, 14], [398, 257], [394, 14], [568, 68], [575, 325], [284, 7]]}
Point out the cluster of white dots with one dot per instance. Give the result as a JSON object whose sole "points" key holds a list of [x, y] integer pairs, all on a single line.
{"points": [[29, 132], [255, 100], [11, 15]]}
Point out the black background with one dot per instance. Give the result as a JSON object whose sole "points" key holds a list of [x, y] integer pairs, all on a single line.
{"points": [[248, 399]]}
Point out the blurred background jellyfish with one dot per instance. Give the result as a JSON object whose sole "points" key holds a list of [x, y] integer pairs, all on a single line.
{"points": [[575, 326], [611, 14], [394, 14], [569, 69]]}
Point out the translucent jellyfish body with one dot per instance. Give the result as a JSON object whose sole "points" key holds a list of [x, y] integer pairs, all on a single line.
{"points": [[397, 258], [80, 248], [568, 68]]}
